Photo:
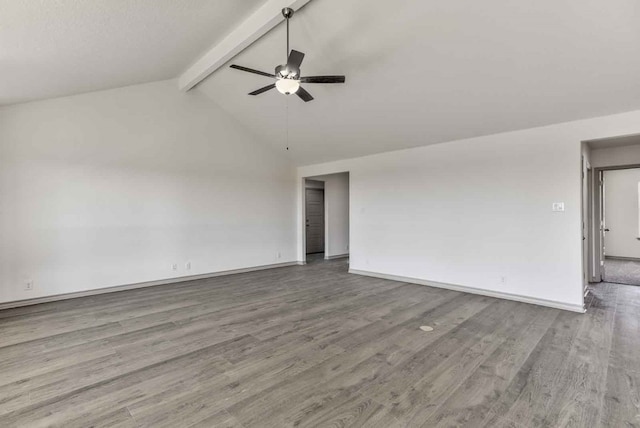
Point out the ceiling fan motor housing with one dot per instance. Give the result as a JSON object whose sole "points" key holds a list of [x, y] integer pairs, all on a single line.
{"points": [[287, 71]]}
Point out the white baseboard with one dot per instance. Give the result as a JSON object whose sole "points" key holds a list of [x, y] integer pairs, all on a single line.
{"points": [[337, 256], [56, 297], [480, 291]]}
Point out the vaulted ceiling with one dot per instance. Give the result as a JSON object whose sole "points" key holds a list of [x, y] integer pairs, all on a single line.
{"points": [[423, 72], [53, 48], [418, 71]]}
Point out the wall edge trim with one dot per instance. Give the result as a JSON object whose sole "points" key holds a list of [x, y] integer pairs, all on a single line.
{"points": [[134, 286], [471, 290], [337, 256]]}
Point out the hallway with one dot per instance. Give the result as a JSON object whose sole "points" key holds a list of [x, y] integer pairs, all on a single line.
{"points": [[622, 271]]}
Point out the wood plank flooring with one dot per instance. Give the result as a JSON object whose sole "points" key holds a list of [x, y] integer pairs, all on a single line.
{"points": [[314, 346]]}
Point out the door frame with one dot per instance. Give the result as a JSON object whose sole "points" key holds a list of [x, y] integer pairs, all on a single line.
{"points": [[587, 218], [597, 227]]}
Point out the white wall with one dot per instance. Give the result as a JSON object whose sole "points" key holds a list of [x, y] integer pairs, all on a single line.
{"points": [[615, 156], [314, 184], [113, 187], [474, 211], [336, 204], [621, 213]]}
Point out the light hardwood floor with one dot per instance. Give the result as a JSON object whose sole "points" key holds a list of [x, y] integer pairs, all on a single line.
{"points": [[314, 346]]}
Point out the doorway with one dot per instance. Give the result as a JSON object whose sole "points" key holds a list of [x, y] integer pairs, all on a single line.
{"points": [[619, 196], [326, 217], [314, 221], [612, 214]]}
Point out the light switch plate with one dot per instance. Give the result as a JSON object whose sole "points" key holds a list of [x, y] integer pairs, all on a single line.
{"points": [[557, 207]]}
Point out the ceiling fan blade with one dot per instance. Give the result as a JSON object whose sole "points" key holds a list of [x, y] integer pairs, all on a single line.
{"points": [[295, 59], [251, 70], [302, 93], [261, 90], [322, 79]]}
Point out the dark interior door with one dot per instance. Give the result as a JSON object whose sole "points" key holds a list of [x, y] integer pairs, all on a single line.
{"points": [[315, 220]]}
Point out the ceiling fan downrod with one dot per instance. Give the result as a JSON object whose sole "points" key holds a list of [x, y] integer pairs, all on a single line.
{"points": [[287, 12]]}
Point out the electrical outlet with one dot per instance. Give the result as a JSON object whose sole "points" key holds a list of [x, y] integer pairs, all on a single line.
{"points": [[28, 286], [503, 280], [174, 266], [278, 255], [187, 265]]}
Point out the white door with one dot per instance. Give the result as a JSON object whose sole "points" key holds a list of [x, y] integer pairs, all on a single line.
{"points": [[315, 220]]}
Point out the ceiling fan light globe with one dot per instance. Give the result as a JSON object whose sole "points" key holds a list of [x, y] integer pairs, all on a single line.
{"points": [[287, 86]]}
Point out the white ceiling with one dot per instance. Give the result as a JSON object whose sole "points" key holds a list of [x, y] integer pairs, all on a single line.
{"points": [[418, 71], [422, 72], [50, 48]]}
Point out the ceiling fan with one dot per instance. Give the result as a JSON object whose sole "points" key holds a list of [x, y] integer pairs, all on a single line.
{"points": [[287, 75]]}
